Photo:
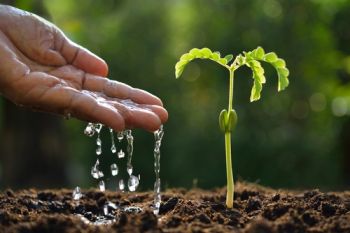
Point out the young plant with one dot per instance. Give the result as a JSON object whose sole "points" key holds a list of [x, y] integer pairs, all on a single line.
{"points": [[228, 117]]}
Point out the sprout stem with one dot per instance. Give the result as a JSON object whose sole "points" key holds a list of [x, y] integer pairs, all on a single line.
{"points": [[229, 173], [230, 184]]}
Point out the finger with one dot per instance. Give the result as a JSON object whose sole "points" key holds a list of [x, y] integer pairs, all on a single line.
{"points": [[52, 96], [82, 58], [136, 117], [160, 111], [115, 89]]}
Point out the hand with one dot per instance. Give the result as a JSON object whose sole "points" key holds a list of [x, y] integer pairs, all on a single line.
{"points": [[42, 69]]}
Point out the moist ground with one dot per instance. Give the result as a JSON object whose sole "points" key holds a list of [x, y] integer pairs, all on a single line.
{"points": [[256, 209]]}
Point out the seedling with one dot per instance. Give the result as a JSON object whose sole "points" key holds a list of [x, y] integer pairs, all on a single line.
{"points": [[228, 117]]}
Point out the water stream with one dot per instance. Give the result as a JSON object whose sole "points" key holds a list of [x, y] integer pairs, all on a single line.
{"points": [[132, 181]]}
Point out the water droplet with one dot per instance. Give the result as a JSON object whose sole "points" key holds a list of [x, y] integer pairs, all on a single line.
{"points": [[114, 169], [121, 154], [113, 149], [98, 127], [120, 136], [98, 141], [133, 183], [77, 193], [89, 130], [101, 185], [95, 172], [98, 150], [129, 169], [121, 185]]}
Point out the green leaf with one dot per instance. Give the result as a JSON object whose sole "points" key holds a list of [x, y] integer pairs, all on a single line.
{"points": [[270, 57], [215, 56], [232, 120], [179, 67], [187, 57], [256, 90], [206, 53], [283, 71], [283, 81], [280, 63], [228, 57], [258, 70], [258, 53], [195, 52], [222, 120], [222, 61]]}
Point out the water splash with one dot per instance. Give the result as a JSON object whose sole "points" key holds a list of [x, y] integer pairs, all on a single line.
{"points": [[121, 185], [77, 193], [133, 183], [158, 136]]}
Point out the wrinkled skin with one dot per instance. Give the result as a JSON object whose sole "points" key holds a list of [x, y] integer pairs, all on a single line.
{"points": [[42, 69]]}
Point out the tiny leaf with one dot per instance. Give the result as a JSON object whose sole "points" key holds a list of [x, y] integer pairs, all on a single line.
{"points": [[187, 57], [283, 81], [222, 120], [206, 53], [215, 56], [280, 63], [258, 53], [270, 57], [229, 57], [222, 61], [232, 120], [256, 90], [195, 52]]}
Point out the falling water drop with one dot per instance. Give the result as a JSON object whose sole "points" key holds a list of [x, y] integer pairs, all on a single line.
{"points": [[113, 147], [121, 154], [77, 193], [99, 144], [121, 185], [133, 183], [89, 130], [120, 136], [129, 169], [95, 172], [114, 169], [101, 185]]}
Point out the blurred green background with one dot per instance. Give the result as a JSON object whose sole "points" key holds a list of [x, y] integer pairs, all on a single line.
{"points": [[299, 138]]}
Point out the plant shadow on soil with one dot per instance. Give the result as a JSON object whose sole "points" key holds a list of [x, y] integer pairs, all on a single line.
{"points": [[256, 209]]}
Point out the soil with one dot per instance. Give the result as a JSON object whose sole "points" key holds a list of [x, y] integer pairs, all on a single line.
{"points": [[256, 209]]}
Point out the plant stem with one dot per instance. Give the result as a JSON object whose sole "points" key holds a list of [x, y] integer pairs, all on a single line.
{"points": [[230, 184], [230, 96]]}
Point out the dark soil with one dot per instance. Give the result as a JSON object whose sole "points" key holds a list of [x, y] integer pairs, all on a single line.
{"points": [[256, 209]]}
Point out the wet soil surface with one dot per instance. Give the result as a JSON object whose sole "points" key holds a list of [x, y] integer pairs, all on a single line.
{"points": [[256, 209]]}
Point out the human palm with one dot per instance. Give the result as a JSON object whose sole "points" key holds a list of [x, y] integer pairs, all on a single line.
{"points": [[42, 69]]}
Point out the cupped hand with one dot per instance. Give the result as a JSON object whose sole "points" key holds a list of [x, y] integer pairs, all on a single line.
{"points": [[42, 69]]}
